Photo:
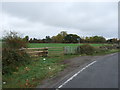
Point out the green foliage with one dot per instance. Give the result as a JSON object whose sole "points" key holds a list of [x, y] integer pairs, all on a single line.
{"points": [[99, 39], [12, 56], [114, 40], [26, 38], [86, 49], [94, 39], [63, 37], [60, 37], [13, 41], [48, 39], [114, 46], [71, 38]]}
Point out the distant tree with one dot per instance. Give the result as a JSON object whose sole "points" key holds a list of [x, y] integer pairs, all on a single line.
{"points": [[98, 39], [26, 38], [35, 40], [48, 39], [71, 38], [82, 40], [43, 40], [91, 40], [60, 37], [114, 40], [30, 40], [87, 39], [54, 40], [63, 33]]}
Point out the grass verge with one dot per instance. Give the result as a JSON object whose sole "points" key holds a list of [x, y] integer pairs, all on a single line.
{"points": [[107, 52], [30, 75]]}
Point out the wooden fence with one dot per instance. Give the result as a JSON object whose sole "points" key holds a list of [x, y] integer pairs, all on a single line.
{"points": [[48, 51], [51, 51], [55, 51], [37, 51]]}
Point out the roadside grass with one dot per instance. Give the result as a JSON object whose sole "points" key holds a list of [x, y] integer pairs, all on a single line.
{"points": [[30, 75], [106, 52], [39, 45]]}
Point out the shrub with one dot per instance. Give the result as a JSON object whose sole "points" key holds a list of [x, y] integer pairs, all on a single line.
{"points": [[100, 50], [14, 41], [12, 59], [86, 49], [12, 56], [106, 47]]}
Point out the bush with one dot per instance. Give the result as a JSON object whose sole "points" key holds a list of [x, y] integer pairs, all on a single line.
{"points": [[12, 56], [109, 47], [14, 41], [86, 49], [12, 59], [100, 50]]}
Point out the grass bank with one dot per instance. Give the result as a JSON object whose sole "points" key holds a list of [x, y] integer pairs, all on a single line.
{"points": [[107, 52], [30, 75]]}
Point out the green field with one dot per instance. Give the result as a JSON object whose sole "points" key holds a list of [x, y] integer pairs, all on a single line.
{"points": [[39, 45]]}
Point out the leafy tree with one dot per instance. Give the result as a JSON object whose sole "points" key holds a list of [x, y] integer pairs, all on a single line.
{"points": [[71, 38], [60, 37], [48, 39], [30, 40], [87, 39], [98, 39], [63, 33], [114, 40], [26, 38], [95, 39]]}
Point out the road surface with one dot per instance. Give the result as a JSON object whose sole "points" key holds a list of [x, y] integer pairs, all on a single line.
{"points": [[102, 73]]}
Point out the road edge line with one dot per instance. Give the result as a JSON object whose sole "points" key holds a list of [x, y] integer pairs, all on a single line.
{"points": [[76, 74]]}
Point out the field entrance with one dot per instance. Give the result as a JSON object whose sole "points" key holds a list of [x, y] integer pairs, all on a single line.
{"points": [[55, 51], [52, 51]]}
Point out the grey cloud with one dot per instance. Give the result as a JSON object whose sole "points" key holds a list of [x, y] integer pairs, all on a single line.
{"points": [[83, 17]]}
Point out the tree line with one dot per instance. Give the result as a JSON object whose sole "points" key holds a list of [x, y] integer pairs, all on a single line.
{"points": [[64, 37]]}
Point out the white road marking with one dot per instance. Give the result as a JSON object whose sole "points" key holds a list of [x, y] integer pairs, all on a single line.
{"points": [[76, 74]]}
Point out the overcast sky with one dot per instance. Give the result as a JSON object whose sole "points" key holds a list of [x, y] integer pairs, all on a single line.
{"points": [[40, 19]]}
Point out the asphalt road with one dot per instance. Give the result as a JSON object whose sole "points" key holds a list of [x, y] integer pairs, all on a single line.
{"points": [[102, 73]]}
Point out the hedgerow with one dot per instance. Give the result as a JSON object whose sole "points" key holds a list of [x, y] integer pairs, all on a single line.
{"points": [[86, 49], [12, 55]]}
